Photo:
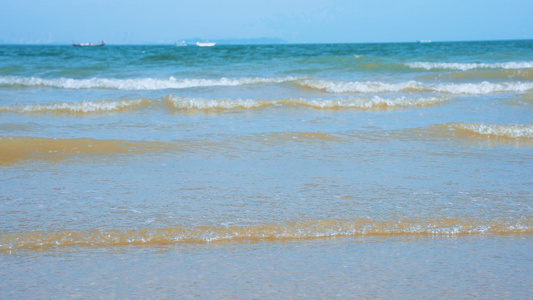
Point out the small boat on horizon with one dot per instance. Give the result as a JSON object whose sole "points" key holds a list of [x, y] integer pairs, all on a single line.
{"points": [[424, 41], [181, 44], [102, 43], [206, 44]]}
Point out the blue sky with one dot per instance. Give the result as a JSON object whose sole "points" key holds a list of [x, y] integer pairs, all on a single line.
{"points": [[298, 21]]}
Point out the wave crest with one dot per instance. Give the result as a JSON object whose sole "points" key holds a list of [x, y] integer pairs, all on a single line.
{"points": [[174, 103], [182, 103], [488, 130], [83, 107], [358, 87], [38, 240], [136, 84], [482, 88], [374, 103], [469, 66]]}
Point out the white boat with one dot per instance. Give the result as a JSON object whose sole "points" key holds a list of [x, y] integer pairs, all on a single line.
{"points": [[424, 41], [88, 44], [206, 44]]}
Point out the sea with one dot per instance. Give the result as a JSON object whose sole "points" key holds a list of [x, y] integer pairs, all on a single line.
{"points": [[287, 171]]}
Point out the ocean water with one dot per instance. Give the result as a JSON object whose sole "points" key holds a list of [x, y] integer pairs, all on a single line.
{"points": [[276, 171]]}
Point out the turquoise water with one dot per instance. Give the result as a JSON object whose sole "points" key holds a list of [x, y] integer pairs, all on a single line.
{"points": [[292, 171]]}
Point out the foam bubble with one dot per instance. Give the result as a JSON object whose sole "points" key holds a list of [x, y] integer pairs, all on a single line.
{"points": [[359, 87], [215, 104], [373, 103], [505, 131], [365, 103], [37, 240], [77, 107], [469, 66], [136, 84], [482, 88]]}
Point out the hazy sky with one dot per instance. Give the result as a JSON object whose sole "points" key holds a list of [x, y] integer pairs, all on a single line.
{"points": [[295, 21]]}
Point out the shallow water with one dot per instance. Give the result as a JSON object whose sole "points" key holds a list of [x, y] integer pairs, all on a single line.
{"points": [[361, 170]]}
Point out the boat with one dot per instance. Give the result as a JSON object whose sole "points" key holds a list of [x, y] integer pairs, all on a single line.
{"points": [[182, 44], [424, 41], [88, 44], [206, 44]]}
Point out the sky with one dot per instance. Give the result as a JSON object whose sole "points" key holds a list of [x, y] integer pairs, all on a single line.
{"points": [[294, 21]]}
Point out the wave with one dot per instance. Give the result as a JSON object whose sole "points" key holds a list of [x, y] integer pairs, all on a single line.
{"points": [[83, 107], [175, 103], [17, 149], [374, 103], [470, 66], [475, 134], [271, 232], [524, 74], [482, 88], [135, 84], [491, 130], [182, 103]]}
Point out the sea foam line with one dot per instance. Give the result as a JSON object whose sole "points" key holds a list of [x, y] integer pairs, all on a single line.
{"points": [[184, 103], [136, 84], [469, 66], [482, 88], [303, 230], [82, 107], [356, 103], [505, 131], [173, 102], [324, 85], [372, 103]]}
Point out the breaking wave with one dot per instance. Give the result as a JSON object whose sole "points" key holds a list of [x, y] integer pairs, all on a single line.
{"points": [[83, 107], [175, 103], [477, 134], [135, 84], [39, 240], [469, 66], [374, 103], [482, 88], [522, 74], [182, 103], [322, 85], [492, 130]]}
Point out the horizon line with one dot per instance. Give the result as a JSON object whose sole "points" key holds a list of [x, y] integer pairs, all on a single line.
{"points": [[282, 42]]}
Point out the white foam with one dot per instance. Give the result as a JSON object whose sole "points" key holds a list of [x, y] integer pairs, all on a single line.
{"points": [[469, 66], [359, 87], [75, 107], [368, 103], [509, 131], [138, 83], [481, 88], [206, 104]]}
